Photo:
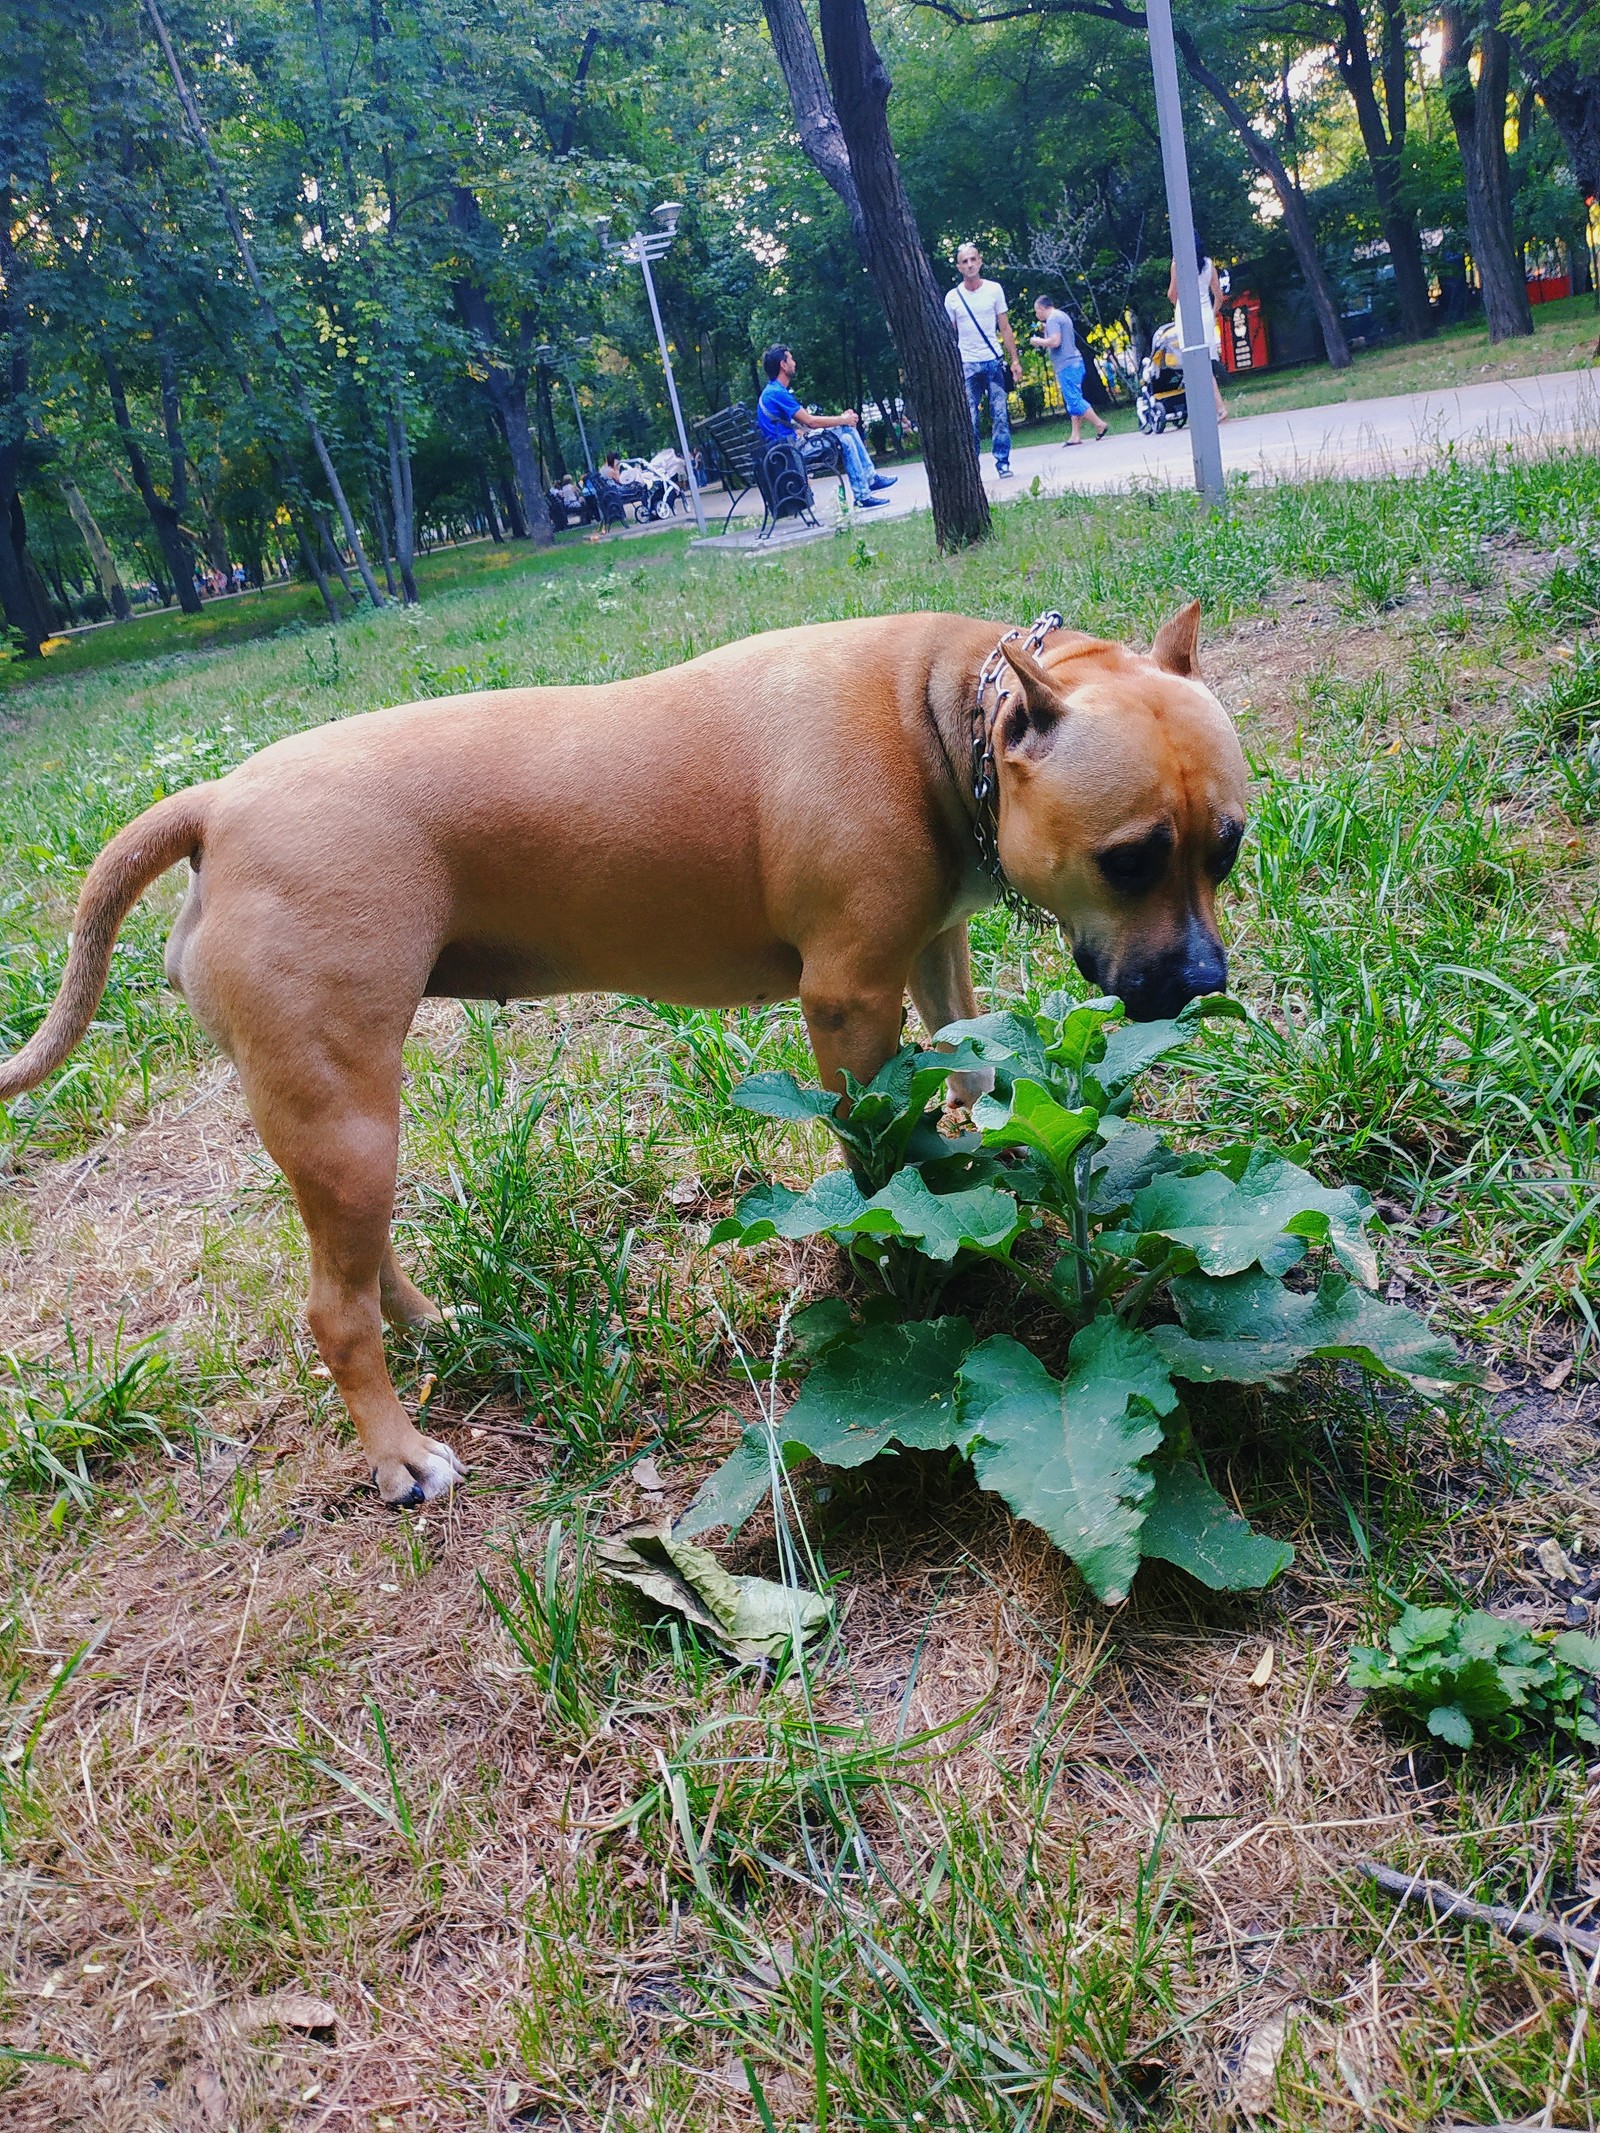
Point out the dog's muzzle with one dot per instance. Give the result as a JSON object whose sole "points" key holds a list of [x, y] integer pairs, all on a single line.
{"points": [[1153, 988]]}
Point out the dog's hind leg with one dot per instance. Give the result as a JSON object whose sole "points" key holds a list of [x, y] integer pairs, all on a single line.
{"points": [[941, 987], [334, 1132], [403, 1303]]}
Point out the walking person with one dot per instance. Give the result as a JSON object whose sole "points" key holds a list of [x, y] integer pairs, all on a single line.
{"points": [[1210, 304], [823, 440], [1060, 343], [982, 326]]}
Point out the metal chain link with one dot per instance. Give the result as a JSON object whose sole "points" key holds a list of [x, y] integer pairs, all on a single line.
{"points": [[985, 784]]}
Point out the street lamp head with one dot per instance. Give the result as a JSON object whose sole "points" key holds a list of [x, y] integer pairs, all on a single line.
{"points": [[603, 230], [667, 216], [544, 353]]}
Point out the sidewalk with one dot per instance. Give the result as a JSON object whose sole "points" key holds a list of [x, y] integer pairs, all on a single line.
{"points": [[1357, 437]]}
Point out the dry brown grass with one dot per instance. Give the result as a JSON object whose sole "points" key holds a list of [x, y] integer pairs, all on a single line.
{"points": [[208, 1819]]}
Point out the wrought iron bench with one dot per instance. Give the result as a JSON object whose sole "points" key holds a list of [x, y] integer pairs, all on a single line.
{"points": [[737, 455]]}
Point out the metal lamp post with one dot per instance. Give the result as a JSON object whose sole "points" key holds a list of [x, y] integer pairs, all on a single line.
{"points": [[638, 249], [1204, 435], [553, 359]]}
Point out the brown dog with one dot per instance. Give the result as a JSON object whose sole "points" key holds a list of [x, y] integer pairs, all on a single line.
{"points": [[790, 814]]}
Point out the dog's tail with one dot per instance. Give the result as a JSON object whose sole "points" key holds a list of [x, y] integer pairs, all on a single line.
{"points": [[163, 834]]}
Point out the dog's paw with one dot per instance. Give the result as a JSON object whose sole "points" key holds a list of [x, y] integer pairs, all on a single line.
{"points": [[431, 1471]]}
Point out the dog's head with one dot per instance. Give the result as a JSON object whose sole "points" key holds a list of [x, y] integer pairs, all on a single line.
{"points": [[1122, 803]]}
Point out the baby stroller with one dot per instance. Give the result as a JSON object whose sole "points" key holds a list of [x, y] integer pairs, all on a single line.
{"points": [[666, 487], [1162, 402]]}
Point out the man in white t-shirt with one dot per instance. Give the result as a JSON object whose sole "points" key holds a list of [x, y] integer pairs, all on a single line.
{"points": [[982, 327]]}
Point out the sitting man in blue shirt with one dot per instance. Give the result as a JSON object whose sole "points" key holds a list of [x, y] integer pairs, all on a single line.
{"points": [[824, 440]]}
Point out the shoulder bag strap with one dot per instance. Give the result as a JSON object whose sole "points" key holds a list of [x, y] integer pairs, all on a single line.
{"points": [[982, 336]]}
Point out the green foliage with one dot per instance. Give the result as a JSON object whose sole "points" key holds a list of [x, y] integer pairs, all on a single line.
{"points": [[1467, 1675], [1100, 1459], [62, 1420]]}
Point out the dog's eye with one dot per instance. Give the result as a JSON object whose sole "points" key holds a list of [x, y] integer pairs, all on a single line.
{"points": [[1229, 837], [1131, 869]]}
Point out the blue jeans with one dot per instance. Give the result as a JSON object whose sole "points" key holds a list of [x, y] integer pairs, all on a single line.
{"points": [[990, 377], [841, 448]]}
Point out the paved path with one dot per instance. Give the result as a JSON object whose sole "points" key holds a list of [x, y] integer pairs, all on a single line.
{"points": [[1357, 437]]}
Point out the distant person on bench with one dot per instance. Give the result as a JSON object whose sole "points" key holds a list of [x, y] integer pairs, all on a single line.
{"points": [[823, 440]]}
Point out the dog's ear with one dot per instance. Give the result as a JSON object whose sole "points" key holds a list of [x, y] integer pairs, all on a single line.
{"points": [[1177, 645], [1035, 710]]}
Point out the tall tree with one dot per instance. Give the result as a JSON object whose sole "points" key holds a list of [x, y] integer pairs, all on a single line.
{"points": [[1557, 44], [1383, 134], [815, 120], [903, 279], [1256, 143], [269, 312], [1478, 114]]}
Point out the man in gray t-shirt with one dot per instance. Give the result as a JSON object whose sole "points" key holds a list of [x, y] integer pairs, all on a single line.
{"points": [[1060, 343]]}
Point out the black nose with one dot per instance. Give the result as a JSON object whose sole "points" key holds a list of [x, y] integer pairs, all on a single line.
{"points": [[1154, 991]]}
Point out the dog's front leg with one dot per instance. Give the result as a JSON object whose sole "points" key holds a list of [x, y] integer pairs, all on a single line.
{"points": [[941, 986], [853, 1014]]}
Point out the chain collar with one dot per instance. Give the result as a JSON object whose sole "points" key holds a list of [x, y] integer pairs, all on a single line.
{"points": [[985, 782]]}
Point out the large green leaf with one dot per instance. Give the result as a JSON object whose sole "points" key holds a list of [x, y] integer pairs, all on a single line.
{"points": [[1248, 1329], [1032, 1118], [1124, 1167], [1009, 1039], [738, 1488], [894, 1383], [1189, 1524], [775, 1211], [885, 1384], [980, 1219], [1266, 1217], [1067, 1456], [1132, 1048], [781, 1096]]}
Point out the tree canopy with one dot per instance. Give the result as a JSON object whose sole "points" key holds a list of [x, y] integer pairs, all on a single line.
{"points": [[296, 284]]}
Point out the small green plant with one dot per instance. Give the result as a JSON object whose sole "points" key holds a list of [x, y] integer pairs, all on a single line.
{"points": [[1465, 1674], [1105, 1222], [60, 1421]]}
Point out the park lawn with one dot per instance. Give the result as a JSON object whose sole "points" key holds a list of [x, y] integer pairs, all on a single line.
{"points": [[1000, 1859], [237, 619], [1564, 337]]}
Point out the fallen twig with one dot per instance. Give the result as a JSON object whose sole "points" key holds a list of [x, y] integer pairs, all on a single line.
{"points": [[1446, 1902]]}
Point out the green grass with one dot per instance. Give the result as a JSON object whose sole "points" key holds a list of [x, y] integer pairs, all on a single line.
{"points": [[1564, 338], [993, 1858]]}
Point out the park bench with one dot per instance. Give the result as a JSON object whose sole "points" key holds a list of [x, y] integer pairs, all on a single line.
{"points": [[737, 455]]}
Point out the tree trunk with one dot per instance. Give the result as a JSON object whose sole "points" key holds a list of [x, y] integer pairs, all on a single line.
{"points": [[901, 276], [550, 444], [309, 563], [815, 119], [405, 518], [381, 528], [1295, 218], [1573, 102], [497, 531], [174, 541], [247, 259], [331, 555], [32, 576], [1478, 114], [505, 385], [102, 561], [1385, 148]]}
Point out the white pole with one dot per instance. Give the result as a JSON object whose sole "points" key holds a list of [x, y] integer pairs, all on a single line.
{"points": [[588, 456], [1204, 434], [639, 245]]}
